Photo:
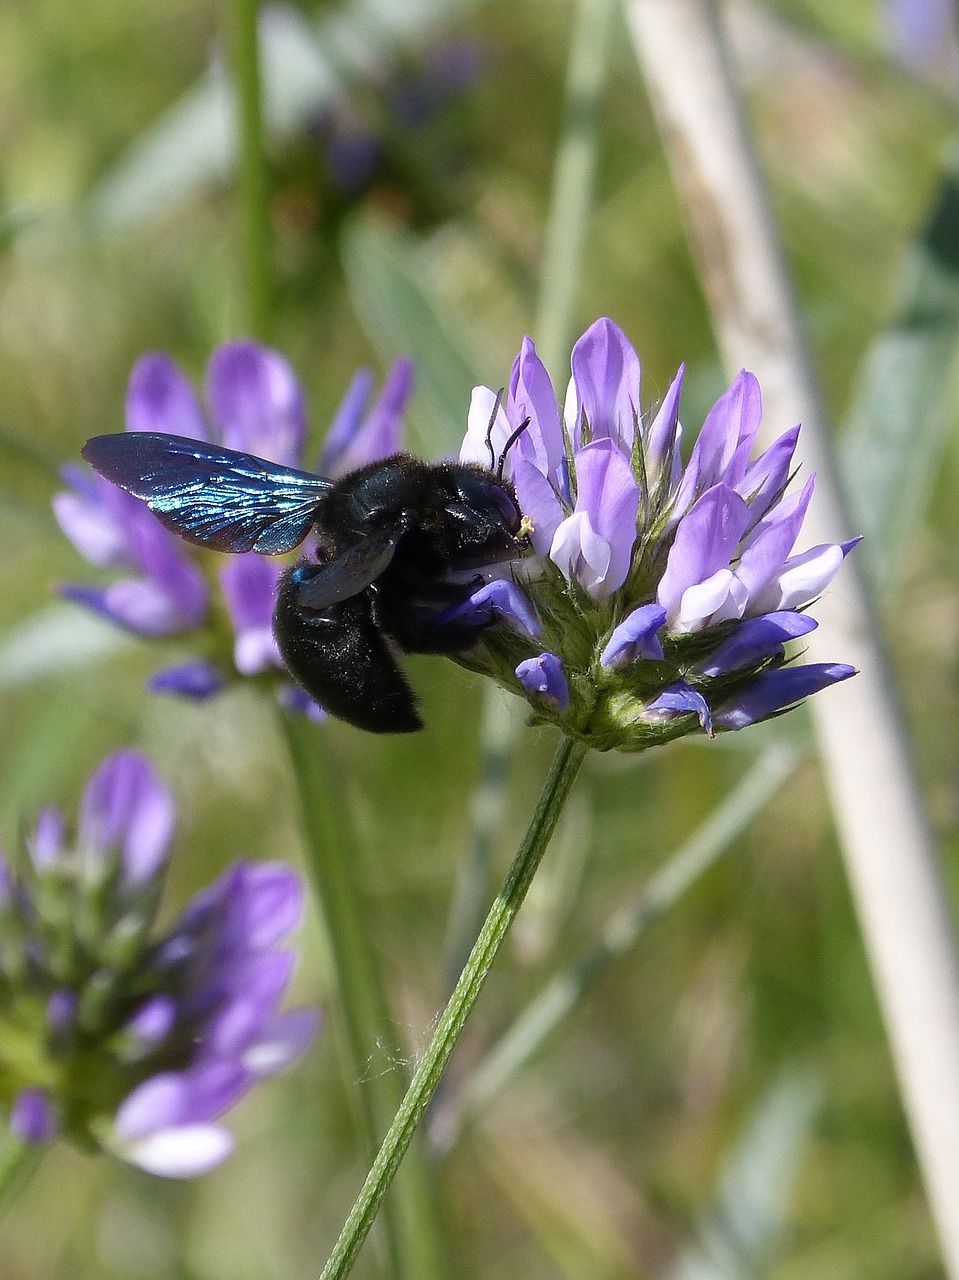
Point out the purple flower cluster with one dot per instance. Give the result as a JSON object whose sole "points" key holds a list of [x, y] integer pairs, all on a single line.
{"points": [[256, 406], [659, 592], [135, 1044]]}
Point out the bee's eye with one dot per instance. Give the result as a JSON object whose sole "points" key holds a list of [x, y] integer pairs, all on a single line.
{"points": [[505, 505]]}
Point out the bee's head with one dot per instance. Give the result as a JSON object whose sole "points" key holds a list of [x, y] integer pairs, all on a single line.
{"points": [[483, 519]]}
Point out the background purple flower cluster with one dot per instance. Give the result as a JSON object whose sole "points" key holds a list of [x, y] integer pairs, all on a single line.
{"points": [[110, 1037]]}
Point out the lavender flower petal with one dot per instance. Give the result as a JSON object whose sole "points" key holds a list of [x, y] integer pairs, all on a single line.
{"points": [[756, 639], [475, 448], [774, 691], [706, 540], [381, 433], [6, 880], [721, 451], [254, 1000], [195, 679], [89, 519], [635, 637], [160, 398], [681, 699], [531, 396], [544, 677], [295, 699], [766, 478], [280, 1042], [257, 402], [662, 437], [768, 546], [538, 502], [126, 805], [61, 1010], [273, 903], [803, 577], [498, 601], [249, 588], [153, 1021], [48, 840], [185, 1151], [346, 423], [595, 544], [606, 375]]}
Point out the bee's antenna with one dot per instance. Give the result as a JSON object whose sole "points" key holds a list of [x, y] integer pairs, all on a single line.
{"points": [[497, 405], [508, 445]]}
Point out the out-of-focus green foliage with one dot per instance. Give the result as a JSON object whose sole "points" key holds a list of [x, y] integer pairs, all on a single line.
{"points": [[606, 1149]]}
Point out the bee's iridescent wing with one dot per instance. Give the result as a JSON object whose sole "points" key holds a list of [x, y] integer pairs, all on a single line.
{"points": [[212, 496]]}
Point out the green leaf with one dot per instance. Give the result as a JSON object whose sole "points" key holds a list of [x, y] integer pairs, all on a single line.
{"points": [[389, 277], [56, 641], [898, 423]]}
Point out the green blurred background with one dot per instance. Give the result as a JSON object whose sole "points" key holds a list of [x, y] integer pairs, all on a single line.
{"points": [[629, 1145]]}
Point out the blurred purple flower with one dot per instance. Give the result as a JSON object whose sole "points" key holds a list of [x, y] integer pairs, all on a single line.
{"points": [[256, 406], [671, 589], [174, 1030], [925, 33]]}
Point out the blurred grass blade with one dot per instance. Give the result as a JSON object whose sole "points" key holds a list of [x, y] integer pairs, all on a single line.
{"points": [[574, 171], [563, 992], [197, 141], [28, 477], [741, 1235], [413, 1227], [389, 277], [898, 423], [14, 219], [56, 641], [305, 68]]}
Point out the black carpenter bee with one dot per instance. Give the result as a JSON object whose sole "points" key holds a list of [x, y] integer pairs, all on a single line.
{"points": [[391, 539]]}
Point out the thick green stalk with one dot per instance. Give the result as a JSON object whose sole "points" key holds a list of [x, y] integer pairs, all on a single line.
{"points": [[414, 1231], [569, 756], [17, 1162], [253, 174]]}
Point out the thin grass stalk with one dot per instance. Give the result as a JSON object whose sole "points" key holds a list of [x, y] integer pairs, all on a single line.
{"points": [[412, 1219], [870, 773], [566, 763], [254, 183], [564, 992]]}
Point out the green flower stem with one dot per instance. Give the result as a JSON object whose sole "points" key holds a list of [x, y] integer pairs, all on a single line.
{"points": [[253, 175], [413, 1221], [572, 190], [563, 992], [17, 1162], [569, 756]]}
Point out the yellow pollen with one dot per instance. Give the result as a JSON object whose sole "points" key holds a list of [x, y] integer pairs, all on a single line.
{"points": [[526, 527]]}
